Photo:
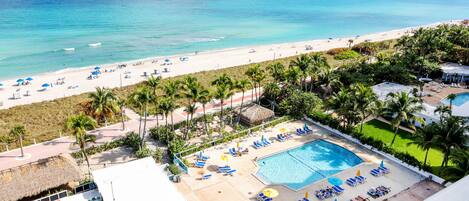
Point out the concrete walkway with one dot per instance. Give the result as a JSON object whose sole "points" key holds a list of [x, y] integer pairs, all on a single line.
{"points": [[66, 144]]}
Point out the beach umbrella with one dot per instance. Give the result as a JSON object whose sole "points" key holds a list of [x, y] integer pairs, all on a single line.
{"points": [[1, 85], [283, 130], [19, 80], [29, 79], [45, 85], [237, 145], [335, 181], [306, 194], [95, 73], [382, 164], [97, 68], [224, 157], [270, 192], [358, 173]]}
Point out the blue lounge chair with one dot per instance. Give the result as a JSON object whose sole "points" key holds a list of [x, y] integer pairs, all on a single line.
{"points": [[383, 169], [280, 138], [375, 172], [223, 169], [265, 142], [207, 176], [307, 129], [201, 157], [304, 199], [256, 145], [299, 131], [360, 179], [199, 164], [233, 152], [230, 172], [338, 189], [351, 182]]}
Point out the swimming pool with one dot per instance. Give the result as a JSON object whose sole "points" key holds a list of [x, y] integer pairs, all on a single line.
{"points": [[299, 167], [460, 99]]}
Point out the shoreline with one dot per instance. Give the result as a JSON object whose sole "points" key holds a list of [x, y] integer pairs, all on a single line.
{"points": [[76, 81]]}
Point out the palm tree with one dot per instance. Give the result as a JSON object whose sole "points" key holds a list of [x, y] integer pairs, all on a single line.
{"points": [[242, 85], [190, 110], [165, 107], [78, 125], [367, 102], [171, 89], [294, 75], [402, 107], [318, 62], [451, 98], [345, 106], [328, 80], [103, 103], [192, 89], [121, 103], [203, 99], [260, 76], [153, 83], [277, 71], [451, 136], [443, 111], [18, 132], [221, 93], [426, 138], [142, 97], [303, 62], [350, 42], [252, 73], [460, 159], [222, 79]]}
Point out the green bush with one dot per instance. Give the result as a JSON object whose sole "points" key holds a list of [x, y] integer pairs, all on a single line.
{"points": [[335, 51], [299, 103], [132, 140], [157, 155], [143, 152], [349, 54], [366, 48], [163, 134], [174, 169]]}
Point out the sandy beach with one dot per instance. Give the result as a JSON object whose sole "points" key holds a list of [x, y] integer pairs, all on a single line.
{"points": [[75, 81]]}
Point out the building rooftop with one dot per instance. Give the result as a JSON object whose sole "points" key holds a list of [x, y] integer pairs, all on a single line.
{"points": [[454, 68], [454, 192], [385, 88]]}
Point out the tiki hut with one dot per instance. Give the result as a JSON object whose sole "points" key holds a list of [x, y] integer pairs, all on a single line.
{"points": [[36, 177], [255, 114]]}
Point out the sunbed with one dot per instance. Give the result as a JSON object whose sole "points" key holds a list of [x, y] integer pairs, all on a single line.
{"points": [[223, 169], [307, 129], [383, 169], [265, 142], [360, 179], [207, 176], [338, 189], [351, 182], [233, 152], [199, 164], [230, 172], [299, 131], [256, 145], [375, 172], [280, 138]]}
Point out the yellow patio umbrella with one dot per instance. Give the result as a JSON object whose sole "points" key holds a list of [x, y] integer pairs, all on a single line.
{"points": [[306, 195], [224, 157], [283, 130], [358, 173], [270, 192], [237, 145]]}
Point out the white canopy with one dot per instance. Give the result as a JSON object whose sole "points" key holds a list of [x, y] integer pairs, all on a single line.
{"points": [[454, 68], [139, 180]]}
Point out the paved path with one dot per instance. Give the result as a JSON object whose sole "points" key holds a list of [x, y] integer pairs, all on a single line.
{"points": [[57, 146]]}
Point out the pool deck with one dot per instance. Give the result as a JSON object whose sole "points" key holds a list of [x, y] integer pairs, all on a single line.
{"points": [[244, 185]]}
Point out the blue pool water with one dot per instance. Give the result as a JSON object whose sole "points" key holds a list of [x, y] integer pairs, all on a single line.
{"points": [[34, 33], [460, 99], [299, 167]]}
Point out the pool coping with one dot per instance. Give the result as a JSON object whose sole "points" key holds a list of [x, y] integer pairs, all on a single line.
{"points": [[321, 180]]}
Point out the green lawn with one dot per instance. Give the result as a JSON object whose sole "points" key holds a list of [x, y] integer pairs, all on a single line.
{"points": [[383, 131]]}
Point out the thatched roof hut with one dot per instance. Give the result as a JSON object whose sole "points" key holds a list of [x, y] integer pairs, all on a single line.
{"points": [[36, 177], [255, 114]]}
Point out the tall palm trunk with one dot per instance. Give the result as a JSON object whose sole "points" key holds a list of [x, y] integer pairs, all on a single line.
{"points": [[140, 124], [144, 126], [231, 110], [240, 109], [21, 145], [187, 126], [221, 115], [425, 160], [83, 153], [395, 134], [166, 119], [205, 122], [172, 122], [255, 91], [122, 119], [105, 121]]}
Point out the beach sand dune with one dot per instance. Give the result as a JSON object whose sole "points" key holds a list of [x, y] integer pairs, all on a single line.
{"points": [[76, 81]]}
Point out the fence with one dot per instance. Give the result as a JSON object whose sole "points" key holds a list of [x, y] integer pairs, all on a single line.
{"points": [[383, 154], [228, 138]]}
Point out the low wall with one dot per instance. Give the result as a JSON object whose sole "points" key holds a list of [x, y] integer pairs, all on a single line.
{"points": [[383, 154]]}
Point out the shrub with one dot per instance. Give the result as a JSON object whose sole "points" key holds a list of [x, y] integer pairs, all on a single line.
{"points": [[132, 140], [366, 48], [143, 152], [157, 155], [174, 169], [299, 103], [335, 51], [163, 134], [176, 146], [349, 54]]}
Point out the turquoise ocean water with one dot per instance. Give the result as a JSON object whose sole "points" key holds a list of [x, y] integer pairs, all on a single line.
{"points": [[34, 33]]}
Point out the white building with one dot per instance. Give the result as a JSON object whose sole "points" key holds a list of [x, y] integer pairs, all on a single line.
{"points": [[455, 73], [454, 192], [140, 180]]}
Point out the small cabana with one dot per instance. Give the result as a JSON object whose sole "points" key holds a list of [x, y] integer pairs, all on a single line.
{"points": [[255, 114], [34, 178], [455, 73]]}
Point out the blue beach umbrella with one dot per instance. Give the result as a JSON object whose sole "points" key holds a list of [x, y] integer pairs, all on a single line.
{"points": [[19, 80], [45, 85], [95, 73], [335, 181], [29, 79], [97, 68], [382, 164]]}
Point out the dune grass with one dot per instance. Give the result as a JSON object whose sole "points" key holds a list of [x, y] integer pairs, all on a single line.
{"points": [[382, 131]]}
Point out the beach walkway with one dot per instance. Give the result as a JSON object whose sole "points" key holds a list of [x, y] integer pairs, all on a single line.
{"points": [[10, 159]]}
